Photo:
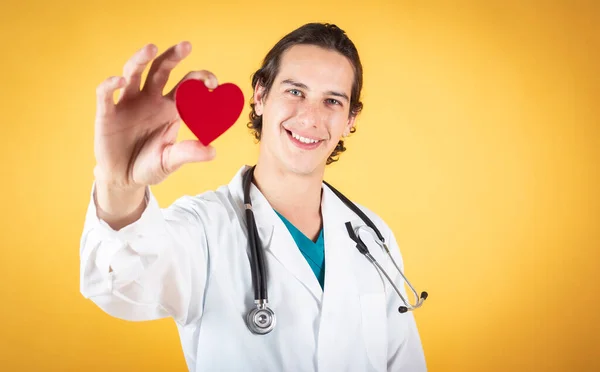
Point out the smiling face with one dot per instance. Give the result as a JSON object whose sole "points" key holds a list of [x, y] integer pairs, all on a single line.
{"points": [[306, 110]]}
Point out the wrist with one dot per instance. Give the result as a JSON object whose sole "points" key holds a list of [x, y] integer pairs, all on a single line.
{"points": [[116, 202]]}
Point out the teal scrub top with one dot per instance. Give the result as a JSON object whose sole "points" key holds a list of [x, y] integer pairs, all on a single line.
{"points": [[313, 252]]}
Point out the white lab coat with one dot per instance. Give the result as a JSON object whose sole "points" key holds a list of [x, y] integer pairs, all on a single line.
{"points": [[190, 261]]}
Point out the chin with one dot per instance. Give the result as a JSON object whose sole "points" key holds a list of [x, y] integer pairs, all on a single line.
{"points": [[302, 167]]}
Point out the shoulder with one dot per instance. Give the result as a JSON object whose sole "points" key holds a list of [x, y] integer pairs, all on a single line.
{"points": [[379, 222], [205, 206], [226, 198]]}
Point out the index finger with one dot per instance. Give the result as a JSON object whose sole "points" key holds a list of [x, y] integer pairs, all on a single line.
{"points": [[208, 78]]}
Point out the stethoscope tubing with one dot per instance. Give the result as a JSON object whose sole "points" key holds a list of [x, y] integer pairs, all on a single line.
{"points": [[258, 268]]}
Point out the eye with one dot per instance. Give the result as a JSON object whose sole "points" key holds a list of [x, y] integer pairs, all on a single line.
{"points": [[295, 92], [333, 101]]}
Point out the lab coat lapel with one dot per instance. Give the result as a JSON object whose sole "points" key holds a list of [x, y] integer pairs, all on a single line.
{"points": [[283, 247], [276, 238], [339, 248], [339, 309]]}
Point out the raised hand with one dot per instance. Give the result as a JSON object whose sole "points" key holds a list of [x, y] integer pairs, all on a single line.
{"points": [[135, 137]]}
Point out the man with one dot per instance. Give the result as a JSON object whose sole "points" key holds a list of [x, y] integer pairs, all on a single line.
{"points": [[190, 261]]}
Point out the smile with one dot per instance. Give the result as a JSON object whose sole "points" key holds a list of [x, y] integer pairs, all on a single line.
{"points": [[303, 142], [303, 139]]}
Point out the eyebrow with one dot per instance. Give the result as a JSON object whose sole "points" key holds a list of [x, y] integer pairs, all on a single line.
{"points": [[304, 86]]}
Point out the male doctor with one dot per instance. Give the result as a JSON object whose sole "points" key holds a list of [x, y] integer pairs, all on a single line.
{"points": [[191, 261]]}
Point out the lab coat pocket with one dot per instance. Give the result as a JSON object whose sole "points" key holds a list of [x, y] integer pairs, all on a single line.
{"points": [[373, 325]]}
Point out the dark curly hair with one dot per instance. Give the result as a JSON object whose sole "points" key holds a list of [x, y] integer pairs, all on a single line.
{"points": [[324, 35]]}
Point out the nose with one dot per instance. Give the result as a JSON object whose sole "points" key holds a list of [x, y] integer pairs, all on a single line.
{"points": [[309, 114]]}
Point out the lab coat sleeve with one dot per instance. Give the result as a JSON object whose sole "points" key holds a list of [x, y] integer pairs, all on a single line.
{"points": [[405, 351], [159, 262]]}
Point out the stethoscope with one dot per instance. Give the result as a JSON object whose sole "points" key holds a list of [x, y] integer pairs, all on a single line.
{"points": [[261, 319]]}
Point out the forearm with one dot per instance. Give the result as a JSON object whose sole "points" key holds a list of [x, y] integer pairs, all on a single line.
{"points": [[144, 271]]}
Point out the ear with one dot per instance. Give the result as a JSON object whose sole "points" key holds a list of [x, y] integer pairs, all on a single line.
{"points": [[259, 98], [349, 125]]}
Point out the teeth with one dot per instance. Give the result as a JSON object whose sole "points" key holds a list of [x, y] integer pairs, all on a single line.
{"points": [[303, 139]]}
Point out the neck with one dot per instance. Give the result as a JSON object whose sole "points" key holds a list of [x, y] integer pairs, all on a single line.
{"points": [[290, 194]]}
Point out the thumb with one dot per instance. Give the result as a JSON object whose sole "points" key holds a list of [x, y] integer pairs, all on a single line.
{"points": [[188, 151]]}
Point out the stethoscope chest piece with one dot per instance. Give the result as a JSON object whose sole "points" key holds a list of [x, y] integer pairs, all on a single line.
{"points": [[261, 320]]}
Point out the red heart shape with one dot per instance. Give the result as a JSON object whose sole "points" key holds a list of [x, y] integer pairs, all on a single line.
{"points": [[208, 114]]}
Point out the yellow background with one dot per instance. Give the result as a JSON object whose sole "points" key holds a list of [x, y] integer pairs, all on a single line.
{"points": [[479, 144]]}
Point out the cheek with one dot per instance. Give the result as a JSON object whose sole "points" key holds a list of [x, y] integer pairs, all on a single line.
{"points": [[339, 123], [280, 109]]}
